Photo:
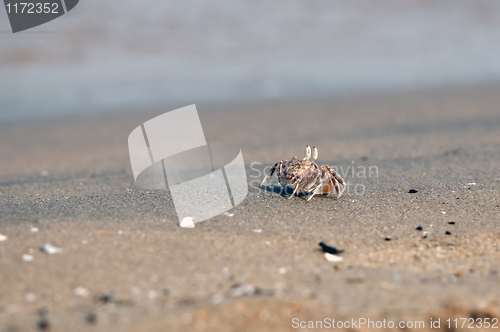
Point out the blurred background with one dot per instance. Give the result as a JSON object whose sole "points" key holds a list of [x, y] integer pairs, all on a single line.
{"points": [[113, 55]]}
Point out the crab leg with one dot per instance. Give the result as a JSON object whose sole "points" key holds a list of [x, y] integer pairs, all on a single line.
{"points": [[265, 178], [271, 171], [295, 190]]}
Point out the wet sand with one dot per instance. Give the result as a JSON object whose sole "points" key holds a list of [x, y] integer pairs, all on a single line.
{"points": [[127, 266]]}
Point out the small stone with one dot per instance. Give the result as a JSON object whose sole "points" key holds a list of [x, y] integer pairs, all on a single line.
{"points": [[152, 295], [104, 298], [242, 290], [387, 238], [187, 222], [30, 297], [451, 223], [419, 228], [447, 233], [257, 230], [43, 325], [412, 191], [471, 183], [443, 212], [333, 258], [228, 214], [91, 318], [282, 270], [3, 237], [28, 258], [50, 249], [34, 229], [330, 250], [81, 291]]}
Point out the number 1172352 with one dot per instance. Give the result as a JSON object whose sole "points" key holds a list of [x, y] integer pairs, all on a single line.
{"points": [[471, 323], [33, 8]]}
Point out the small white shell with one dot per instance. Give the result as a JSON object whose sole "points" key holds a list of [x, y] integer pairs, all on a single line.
{"points": [[81, 291], [187, 222], [333, 258], [28, 258], [50, 249]]}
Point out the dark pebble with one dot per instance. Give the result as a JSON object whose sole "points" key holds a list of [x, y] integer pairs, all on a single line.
{"points": [[387, 238], [186, 302], [91, 318], [424, 237], [447, 233], [104, 298], [419, 228], [412, 191], [43, 325], [451, 222], [330, 250]]}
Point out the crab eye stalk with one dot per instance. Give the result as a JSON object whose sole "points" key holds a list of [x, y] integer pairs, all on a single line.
{"points": [[308, 152], [314, 153]]}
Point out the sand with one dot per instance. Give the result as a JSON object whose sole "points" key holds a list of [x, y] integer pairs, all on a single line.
{"points": [[127, 266]]}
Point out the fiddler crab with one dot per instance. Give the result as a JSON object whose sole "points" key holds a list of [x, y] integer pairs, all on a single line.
{"points": [[305, 176]]}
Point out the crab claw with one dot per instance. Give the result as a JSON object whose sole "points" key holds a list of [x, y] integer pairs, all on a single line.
{"points": [[327, 187]]}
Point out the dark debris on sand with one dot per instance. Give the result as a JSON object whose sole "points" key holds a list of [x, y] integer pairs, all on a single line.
{"points": [[330, 250]]}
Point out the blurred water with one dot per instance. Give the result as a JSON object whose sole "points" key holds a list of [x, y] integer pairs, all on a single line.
{"points": [[107, 55]]}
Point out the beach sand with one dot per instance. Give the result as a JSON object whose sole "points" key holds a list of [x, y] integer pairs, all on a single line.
{"points": [[127, 266]]}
